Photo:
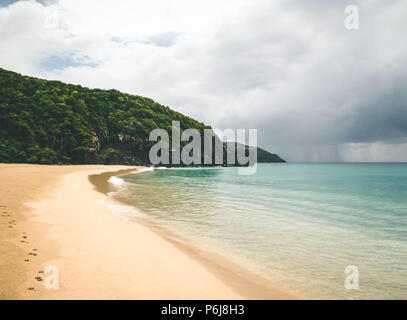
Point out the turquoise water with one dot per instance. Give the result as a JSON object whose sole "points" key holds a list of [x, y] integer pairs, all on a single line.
{"points": [[297, 224]]}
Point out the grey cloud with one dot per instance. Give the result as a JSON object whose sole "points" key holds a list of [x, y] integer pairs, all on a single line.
{"points": [[321, 87]]}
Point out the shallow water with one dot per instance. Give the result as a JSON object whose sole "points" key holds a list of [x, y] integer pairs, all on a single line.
{"points": [[298, 224]]}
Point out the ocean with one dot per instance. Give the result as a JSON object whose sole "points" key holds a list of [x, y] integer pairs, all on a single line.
{"points": [[299, 225]]}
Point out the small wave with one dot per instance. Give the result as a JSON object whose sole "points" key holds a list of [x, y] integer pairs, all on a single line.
{"points": [[118, 181], [145, 169], [115, 180], [124, 211]]}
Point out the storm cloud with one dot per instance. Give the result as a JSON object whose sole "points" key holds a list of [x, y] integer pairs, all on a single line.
{"points": [[314, 90]]}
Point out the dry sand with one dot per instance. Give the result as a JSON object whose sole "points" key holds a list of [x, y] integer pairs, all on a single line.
{"points": [[51, 216]]}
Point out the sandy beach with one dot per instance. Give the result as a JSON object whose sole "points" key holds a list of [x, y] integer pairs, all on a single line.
{"points": [[52, 216]]}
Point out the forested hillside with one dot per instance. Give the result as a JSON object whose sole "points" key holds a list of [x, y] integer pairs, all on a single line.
{"points": [[51, 122]]}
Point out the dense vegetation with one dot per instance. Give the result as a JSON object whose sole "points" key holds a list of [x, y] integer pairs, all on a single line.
{"points": [[52, 122], [264, 156]]}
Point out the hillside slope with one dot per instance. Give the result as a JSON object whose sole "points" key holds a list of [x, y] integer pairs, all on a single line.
{"points": [[52, 122]]}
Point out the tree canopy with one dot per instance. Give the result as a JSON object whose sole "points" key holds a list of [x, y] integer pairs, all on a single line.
{"points": [[52, 122]]}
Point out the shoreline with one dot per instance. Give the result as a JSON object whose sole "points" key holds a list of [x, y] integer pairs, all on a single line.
{"points": [[244, 282], [50, 215]]}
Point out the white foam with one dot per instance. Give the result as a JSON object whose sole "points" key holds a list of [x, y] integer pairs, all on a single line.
{"points": [[145, 169], [115, 180], [121, 210]]}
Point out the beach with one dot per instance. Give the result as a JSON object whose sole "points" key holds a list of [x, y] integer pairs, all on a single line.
{"points": [[52, 216]]}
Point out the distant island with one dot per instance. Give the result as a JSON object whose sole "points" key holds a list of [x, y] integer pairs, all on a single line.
{"points": [[51, 122]]}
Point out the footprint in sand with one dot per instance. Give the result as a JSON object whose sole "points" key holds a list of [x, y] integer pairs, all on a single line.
{"points": [[4, 211], [11, 223]]}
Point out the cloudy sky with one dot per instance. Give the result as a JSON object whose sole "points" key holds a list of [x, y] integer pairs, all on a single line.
{"points": [[314, 90]]}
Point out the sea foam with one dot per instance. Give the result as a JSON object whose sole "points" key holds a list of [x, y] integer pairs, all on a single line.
{"points": [[117, 181], [145, 169], [121, 210]]}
